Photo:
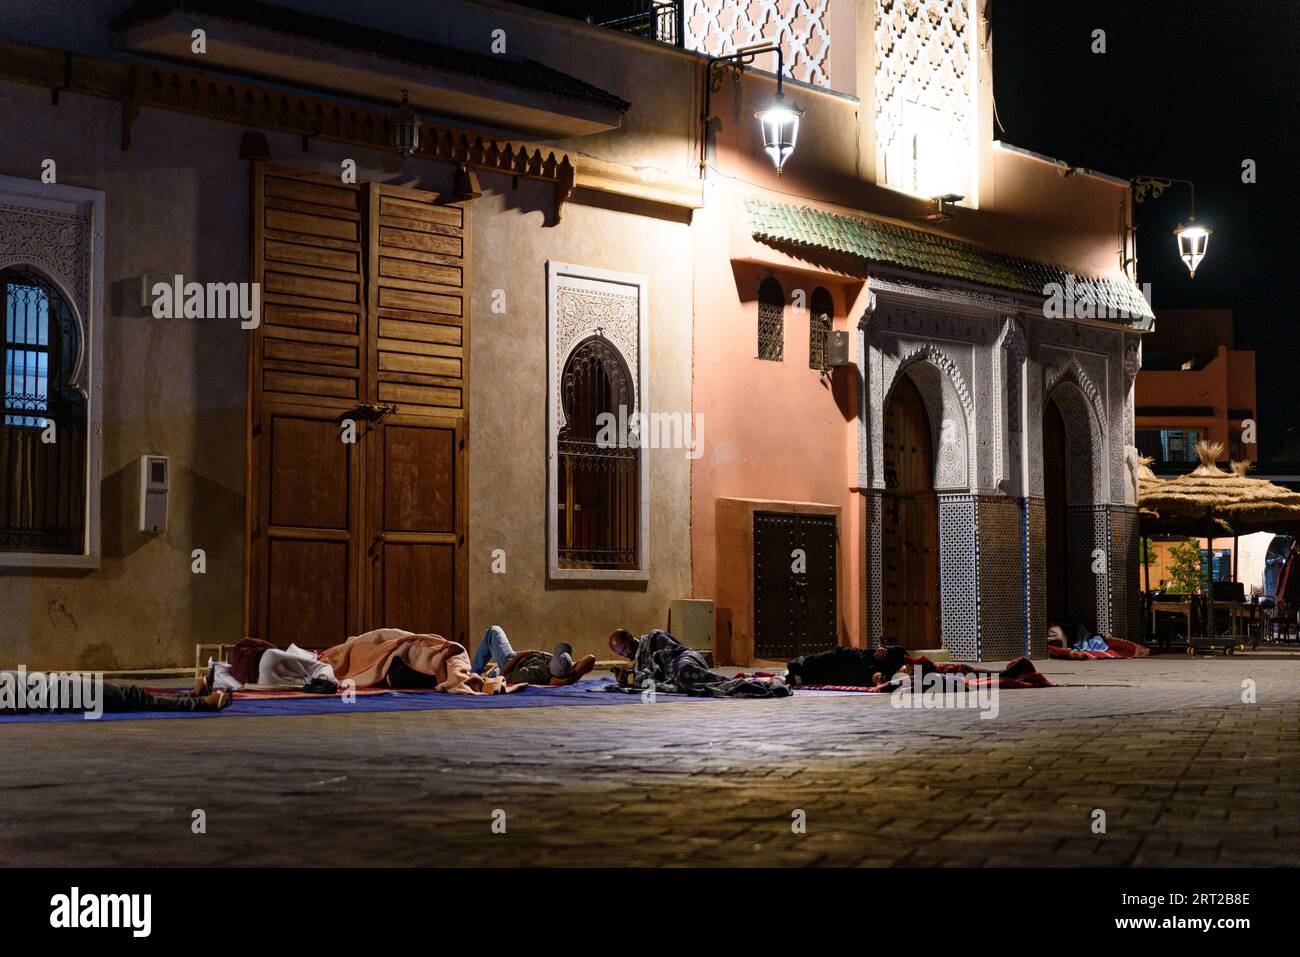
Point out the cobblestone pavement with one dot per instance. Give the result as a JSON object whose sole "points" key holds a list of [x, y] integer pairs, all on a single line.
{"points": [[1185, 772]]}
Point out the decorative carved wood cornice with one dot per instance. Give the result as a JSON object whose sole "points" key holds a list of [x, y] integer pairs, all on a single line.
{"points": [[140, 85]]}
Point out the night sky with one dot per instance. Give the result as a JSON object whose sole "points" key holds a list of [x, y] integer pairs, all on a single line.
{"points": [[1188, 89]]}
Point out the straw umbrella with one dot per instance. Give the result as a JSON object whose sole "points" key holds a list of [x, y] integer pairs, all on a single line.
{"points": [[1208, 494]]}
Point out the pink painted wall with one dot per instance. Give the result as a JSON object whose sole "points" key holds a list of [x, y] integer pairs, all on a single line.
{"points": [[776, 431]]}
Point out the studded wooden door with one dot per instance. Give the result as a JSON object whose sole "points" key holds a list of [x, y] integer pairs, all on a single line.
{"points": [[909, 524], [795, 562]]}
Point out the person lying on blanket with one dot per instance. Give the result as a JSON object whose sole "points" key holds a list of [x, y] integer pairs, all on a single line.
{"points": [[1084, 639], [383, 658], [254, 661], [880, 667], [528, 667], [120, 699], [661, 662]]}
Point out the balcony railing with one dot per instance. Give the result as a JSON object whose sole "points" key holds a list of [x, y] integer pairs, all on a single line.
{"points": [[659, 20]]}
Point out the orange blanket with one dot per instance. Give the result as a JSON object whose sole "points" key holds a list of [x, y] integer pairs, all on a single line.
{"points": [[366, 660]]}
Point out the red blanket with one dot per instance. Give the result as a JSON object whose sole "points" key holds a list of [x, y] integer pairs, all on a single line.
{"points": [[1118, 648]]}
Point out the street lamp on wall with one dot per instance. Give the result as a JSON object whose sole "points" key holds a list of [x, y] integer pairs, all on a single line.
{"points": [[1193, 238], [779, 120]]}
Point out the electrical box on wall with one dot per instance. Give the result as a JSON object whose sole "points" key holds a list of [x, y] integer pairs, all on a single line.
{"points": [[837, 349], [690, 621], [155, 479]]}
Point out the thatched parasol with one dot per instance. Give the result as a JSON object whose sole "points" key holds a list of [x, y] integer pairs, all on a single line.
{"points": [[1208, 499], [1233, 494]]}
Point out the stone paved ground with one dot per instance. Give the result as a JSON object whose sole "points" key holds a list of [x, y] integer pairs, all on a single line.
{"points": [[1185, 772]]}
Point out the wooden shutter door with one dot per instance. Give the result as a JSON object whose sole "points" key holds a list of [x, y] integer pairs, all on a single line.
{"points": [[415, 455], [306, 373]]}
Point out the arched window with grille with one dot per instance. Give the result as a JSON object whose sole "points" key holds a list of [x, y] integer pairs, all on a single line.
{"points": [[821, 312], [43, 430], [599, 466], [771, 320]]}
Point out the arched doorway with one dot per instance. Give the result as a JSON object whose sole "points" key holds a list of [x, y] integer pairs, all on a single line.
{"points": [[1056, 497], [909, 523]]}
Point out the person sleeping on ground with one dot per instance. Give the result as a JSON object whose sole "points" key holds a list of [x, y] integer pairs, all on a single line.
{"points": [[661, 662], [528, 667], [257, 662], [397, 659], [1076, 637], [879, 668], [121, 699]]}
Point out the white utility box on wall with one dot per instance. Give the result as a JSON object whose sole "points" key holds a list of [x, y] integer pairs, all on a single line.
{"points": [[690, 621], [155, 479]]}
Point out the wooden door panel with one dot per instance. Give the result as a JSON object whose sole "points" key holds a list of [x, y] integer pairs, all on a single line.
{"points": [[416, 472], [309, 257], [309, 584], [418, 299], [306, 371], [419, 478], [909, 524], [775, 590], [304, 550], [308, 482], [419, 587], [819, 538], [795, 612]]}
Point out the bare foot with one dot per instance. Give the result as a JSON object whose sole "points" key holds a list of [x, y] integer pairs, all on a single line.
{"points": [[217, 701]]}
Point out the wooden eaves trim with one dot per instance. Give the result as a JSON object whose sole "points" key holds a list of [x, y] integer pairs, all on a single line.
{"points": [[141, 85]]}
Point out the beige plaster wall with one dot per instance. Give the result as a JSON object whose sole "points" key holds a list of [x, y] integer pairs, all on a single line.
{"points": [[177, 202], [508, 465]]}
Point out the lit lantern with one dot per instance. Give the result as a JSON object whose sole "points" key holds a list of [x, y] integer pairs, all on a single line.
{"points": [[1192, 242], [405, 129], [780, 122]]}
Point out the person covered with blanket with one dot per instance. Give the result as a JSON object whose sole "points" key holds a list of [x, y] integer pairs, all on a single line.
{"points": [[883, 667], [662, 663], [1075, 637]]}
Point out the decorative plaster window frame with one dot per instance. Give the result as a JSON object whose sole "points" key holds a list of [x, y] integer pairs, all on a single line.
{"points": [[565, 328], [60, 231]]}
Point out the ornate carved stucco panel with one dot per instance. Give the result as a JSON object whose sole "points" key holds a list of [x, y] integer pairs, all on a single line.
{"points": [[719, 27], [57, 244]]}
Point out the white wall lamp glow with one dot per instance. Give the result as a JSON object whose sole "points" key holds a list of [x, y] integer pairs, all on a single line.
{"points": [[779, 120], [1193, 238]]}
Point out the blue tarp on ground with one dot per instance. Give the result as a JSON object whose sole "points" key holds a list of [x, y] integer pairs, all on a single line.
{"points": [[589, 692]]}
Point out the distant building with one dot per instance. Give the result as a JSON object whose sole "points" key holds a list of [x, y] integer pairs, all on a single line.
{"points": [[1194, 385]]}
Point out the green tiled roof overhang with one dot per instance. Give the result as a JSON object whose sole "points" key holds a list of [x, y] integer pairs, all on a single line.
{"points": [[919, 251]]}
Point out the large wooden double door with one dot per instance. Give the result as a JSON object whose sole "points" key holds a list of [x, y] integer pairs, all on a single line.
{"points": [[358, 388], [795, 568], [909, 524]]}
